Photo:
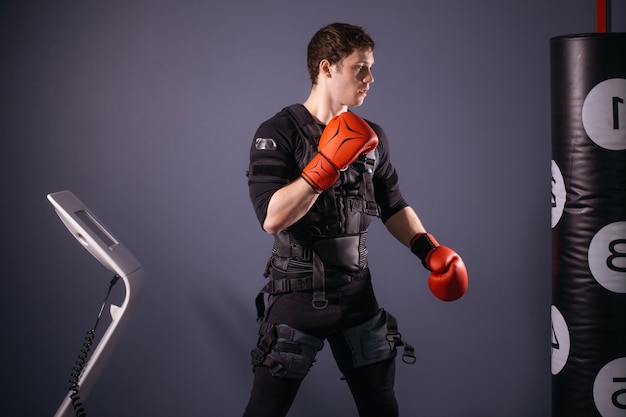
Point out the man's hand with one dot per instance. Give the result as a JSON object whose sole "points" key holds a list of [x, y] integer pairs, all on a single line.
{"points": [[448, 279], [345, 138]]}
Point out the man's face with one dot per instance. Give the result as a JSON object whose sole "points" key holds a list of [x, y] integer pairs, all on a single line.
{"points": [[351, 78]]}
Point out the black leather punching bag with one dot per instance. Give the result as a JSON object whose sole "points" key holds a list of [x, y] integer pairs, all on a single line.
{"points": [[588, 106]]}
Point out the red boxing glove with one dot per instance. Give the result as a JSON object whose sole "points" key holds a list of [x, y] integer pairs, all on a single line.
{"points": [[345, 138], [448, 280]]}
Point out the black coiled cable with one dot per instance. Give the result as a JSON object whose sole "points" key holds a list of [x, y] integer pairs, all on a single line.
{"points": [[79, 410]]}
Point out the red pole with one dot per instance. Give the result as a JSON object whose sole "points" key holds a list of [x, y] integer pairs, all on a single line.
{"points": [[600, 15], [603, 15]]}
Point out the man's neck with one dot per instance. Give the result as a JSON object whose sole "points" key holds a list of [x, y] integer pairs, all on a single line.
{"points": [[321, 106]]}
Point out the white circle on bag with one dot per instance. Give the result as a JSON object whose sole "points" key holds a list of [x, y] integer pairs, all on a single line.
{"points": [[609, 389], [558, 194], [607, 257], [560, 341], [604, 114]]}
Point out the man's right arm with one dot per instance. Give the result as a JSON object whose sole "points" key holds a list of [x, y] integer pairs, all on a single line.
{"points": [[345, 137], [288, 205]]}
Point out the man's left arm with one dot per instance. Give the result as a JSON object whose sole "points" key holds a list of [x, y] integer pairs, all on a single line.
{"points": [[448, 279], [405, 224]]}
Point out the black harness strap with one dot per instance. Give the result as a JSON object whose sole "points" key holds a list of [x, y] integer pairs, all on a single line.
{"points": [[394, 337], [307, 126], [367, 189], [319, 301], [311, 130]]}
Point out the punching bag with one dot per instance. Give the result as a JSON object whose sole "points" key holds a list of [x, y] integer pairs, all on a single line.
{"points": [[588, 110]]}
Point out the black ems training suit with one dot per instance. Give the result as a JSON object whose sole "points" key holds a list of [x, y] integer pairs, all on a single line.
{"points": [[319, 285]]}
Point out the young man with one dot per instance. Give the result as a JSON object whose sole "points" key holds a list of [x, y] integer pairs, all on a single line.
{"points": [[317, 175]]}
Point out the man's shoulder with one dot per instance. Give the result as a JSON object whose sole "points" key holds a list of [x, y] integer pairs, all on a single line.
{"points": [[281, 129], [281, 120], [283, 123]]}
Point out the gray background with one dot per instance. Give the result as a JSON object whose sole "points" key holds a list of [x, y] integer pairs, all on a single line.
{"points": [[146, 109]]}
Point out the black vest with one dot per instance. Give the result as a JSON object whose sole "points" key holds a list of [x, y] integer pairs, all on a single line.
{"points": [[346, 208], [335, 228]]}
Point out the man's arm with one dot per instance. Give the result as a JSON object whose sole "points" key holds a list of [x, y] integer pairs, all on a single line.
{"points": [[448, 278], [344, 138], [288, 205], [404, 225]]}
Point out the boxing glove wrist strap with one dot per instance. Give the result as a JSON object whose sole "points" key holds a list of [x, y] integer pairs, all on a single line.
{"points": [[320, 173], [421, 244]]}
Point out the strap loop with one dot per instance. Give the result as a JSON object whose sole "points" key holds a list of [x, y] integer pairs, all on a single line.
{"points": [[394, 337], [319, 301]]}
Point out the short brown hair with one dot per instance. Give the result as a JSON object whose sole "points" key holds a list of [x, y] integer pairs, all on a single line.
{"points": [[334, 42]]}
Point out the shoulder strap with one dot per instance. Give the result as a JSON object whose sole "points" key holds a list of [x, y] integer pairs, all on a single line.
{"points": [[367, 185], [307, 126]]}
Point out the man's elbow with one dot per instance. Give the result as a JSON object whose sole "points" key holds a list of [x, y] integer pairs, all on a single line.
{"points": [[271, 228]]}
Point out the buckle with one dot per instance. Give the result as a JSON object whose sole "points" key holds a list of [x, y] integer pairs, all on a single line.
{"points": [[319, 302], [258, 356], [279, 286], [409, 358]]}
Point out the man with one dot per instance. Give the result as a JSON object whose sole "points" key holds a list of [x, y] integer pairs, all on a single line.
{"points": [[317, 175]]}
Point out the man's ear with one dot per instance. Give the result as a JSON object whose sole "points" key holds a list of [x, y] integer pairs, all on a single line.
{"points": [[325, 68]]}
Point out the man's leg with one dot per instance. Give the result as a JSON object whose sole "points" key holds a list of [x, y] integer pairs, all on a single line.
{"points": [[372, 387], [367, 360], [271, 396], [282, 358]]}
